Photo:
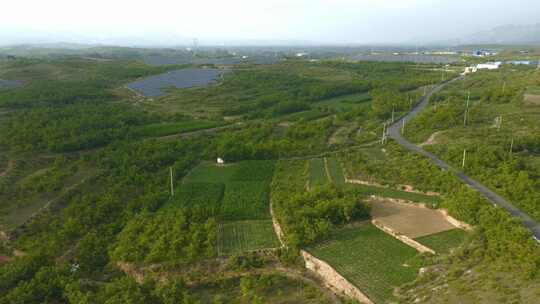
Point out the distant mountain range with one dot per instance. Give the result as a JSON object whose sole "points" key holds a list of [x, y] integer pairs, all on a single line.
{"points": [[509, 34]]}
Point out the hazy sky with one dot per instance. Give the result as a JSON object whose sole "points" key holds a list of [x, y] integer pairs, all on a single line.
{"points": [[325, 21]]}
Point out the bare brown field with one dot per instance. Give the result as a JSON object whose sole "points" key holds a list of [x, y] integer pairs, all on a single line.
{"points": [[409, 219], [531, 99]]}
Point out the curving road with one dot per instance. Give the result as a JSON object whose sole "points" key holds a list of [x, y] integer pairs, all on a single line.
{"points": [[394, 131]]}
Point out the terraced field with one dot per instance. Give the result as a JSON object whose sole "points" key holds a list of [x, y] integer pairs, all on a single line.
{"points": [[335, 170], [238, 195], [369, 258], [317, 172], [242, 236], [443, 242], [246, 200]]}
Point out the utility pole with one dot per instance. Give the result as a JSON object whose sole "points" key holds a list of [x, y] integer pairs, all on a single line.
{"points": [[410, 103], [511, 147], [383, 134], [403, 126], [172, 184], [504, 87], [499, 123], [463, 162], [466, 109]]}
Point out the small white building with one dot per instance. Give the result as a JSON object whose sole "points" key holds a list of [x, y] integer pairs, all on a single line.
{"points": [[220, 161], [489, 65]]}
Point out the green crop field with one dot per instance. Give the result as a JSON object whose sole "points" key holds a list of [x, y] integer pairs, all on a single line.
{"points": [[211, 173], [163, 129], [336, 171], [254, 170], [346, 102], [237, 194], [199, 194], [534, 90], [245, 200], [369, 258], [317, 172], [443, 242], [240, 236], [304, 115]]}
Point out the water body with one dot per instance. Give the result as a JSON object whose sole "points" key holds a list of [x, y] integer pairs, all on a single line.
{"points": [[10, 84], [406, 58], [186, 78]]}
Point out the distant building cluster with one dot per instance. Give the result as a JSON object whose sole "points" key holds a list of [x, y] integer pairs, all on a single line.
{"points": [[496, 65], [484, 53]]}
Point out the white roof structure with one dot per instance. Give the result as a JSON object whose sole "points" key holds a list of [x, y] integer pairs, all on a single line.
{"points": [[489, 65]]}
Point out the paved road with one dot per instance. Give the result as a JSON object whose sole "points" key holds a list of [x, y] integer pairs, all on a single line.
{"points": [[394, 131]]}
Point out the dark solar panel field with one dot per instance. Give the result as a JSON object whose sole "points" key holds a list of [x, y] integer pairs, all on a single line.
{"points": [[10, 84], [181, 79]]}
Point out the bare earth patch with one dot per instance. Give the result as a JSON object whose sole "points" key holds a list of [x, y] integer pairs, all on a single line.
{"points": [[10, 166], [409, 219], [531, 99], [431, 139]]}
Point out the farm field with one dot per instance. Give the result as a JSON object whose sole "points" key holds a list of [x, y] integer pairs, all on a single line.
{"points": [[245, 200], [208, 172], [241, 236], [238, 195], [186, 78], [443, 242], [369, 258], [335, 170], [409, 219], [303, 115], [201, 195], [338, 177], [164, 129], [317, 172]]}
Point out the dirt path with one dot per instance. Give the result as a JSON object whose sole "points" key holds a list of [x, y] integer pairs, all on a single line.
{"points": [[10, 166], [431, 139]]}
